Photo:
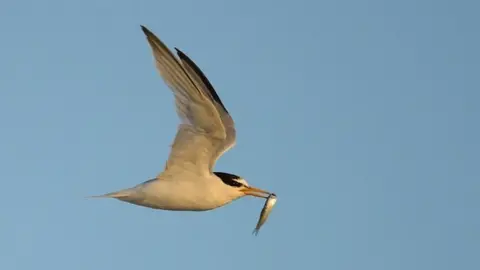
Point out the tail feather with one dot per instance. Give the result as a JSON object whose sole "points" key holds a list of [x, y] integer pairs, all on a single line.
{"points": [[116, 195]]}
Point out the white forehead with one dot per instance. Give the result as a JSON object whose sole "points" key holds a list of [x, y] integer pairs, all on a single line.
{"points": [[243, 181]]}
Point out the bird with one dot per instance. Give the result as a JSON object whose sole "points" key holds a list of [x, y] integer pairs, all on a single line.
{"points": [[206, 131]]}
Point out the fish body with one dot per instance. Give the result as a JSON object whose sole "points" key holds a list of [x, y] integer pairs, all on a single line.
{"points": [[267, 208]]}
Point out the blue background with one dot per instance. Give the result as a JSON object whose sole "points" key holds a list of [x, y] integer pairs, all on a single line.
{"points": [[361, 115]]}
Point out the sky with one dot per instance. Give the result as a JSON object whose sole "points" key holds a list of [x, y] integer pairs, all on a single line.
{"points": [[362, 116]]}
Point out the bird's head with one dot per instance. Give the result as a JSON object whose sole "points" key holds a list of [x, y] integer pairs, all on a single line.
{"points": [[241, 186]]}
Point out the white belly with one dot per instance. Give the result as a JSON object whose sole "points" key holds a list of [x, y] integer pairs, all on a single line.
{"points": [[179, 195]]}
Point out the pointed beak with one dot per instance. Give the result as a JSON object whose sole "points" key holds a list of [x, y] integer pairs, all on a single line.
{"points": [[256, 192]]}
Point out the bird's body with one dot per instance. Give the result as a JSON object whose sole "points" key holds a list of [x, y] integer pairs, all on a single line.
{"points": [[206, 132], [179, 192]]}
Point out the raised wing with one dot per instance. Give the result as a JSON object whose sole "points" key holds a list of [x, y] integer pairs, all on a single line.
{"points": [[203, 130], [206, 87]]}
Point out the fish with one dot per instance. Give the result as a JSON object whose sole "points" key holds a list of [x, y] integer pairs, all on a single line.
{"points": [[267, 208]]}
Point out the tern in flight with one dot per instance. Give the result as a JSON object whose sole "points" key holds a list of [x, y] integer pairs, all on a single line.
{"points": [[206, 131]]}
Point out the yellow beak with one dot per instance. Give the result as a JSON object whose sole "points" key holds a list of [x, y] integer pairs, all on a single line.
{"points": [[256, 192]]}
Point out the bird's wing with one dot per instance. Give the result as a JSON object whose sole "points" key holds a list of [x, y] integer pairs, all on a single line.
{"points": [[206, 87], [202, 130]]}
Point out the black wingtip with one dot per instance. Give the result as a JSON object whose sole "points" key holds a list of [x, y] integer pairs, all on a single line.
{"points": [[180, 53], [145, 30]]}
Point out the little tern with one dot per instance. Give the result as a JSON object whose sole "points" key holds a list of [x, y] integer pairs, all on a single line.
{"points": [[206, 132]]}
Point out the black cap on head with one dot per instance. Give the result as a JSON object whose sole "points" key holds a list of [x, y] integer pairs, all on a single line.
{"points": [[229, 179]]}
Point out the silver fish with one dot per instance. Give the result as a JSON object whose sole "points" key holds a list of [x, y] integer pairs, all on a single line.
{"points": [[267, 208]]}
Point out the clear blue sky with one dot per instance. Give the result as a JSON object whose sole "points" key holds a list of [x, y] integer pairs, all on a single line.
{"points": [[362, 116]]}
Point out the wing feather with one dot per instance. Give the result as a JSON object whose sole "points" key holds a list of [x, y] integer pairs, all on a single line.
{"points": [[192, 106], [207, 130], [206, 87]]}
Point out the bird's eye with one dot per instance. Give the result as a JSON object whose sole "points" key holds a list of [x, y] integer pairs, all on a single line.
{"points": [[239, 184]]}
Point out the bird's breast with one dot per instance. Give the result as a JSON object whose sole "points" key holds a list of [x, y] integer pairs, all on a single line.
{"points": [[182, 195]]}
